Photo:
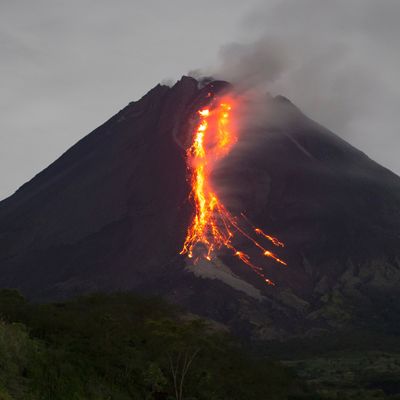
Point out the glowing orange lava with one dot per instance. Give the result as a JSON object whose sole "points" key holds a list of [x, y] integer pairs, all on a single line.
{"points": [[213, 227]]}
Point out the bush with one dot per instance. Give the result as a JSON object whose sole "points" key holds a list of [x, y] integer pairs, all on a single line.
{"points": [[122, 346]]}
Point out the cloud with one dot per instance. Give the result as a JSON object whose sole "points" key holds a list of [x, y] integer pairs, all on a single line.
{"points": [[338, 61]]}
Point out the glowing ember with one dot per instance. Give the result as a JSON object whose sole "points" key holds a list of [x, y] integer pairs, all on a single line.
{"points": [[213, 227]]}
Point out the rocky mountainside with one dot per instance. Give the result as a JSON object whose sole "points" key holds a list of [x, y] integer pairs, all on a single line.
{"points": [[112, 212]]}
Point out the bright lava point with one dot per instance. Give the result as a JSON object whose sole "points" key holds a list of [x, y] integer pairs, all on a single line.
{"points": [[213, 227]]}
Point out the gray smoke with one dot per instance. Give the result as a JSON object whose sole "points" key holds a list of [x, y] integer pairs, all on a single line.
{"points": [[338, 61], [252, 65]]}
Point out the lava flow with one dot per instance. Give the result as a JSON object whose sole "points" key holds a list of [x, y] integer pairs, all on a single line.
{"points": [[213, 227]]}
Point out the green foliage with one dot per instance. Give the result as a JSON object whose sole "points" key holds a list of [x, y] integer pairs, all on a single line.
{"points": [[121, 347], [18, 353]]}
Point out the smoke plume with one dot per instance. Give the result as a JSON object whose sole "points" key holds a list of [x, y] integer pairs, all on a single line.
{"points": [[338, 61]]}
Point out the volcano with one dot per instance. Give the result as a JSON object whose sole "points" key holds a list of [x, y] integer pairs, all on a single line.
{"points": [[112, 214]]}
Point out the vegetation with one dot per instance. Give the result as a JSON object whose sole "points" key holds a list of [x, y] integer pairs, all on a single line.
{"points": [[120, 347], [125, 347], [371, 375], [346, 365]]}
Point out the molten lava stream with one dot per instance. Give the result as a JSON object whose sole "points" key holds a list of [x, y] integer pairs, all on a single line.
{"points": [[213, 227]]}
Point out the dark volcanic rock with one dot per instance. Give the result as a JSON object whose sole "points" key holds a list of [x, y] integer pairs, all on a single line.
{"points": [[112, 213]]}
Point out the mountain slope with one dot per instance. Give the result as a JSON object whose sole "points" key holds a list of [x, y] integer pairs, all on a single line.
{"points": [[112, 213]]}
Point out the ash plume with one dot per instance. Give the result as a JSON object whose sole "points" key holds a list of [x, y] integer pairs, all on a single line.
{"points": [[252, 65], [337, 61]]}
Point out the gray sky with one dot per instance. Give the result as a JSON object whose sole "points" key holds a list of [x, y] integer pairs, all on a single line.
{"points": [[67, 66]]}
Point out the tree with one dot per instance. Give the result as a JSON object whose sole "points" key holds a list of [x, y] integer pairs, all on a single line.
{"points": [[179, 344]]}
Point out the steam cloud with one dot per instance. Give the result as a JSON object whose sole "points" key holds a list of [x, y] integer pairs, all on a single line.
{"points": [[338, 61]]}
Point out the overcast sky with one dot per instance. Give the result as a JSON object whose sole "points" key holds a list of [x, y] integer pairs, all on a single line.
{"points": [[67, 66]]}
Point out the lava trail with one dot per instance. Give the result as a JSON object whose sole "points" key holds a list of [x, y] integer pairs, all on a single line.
{"points": [[213, 227]]}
